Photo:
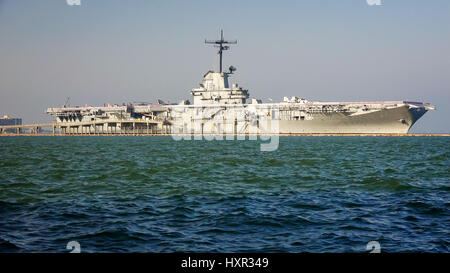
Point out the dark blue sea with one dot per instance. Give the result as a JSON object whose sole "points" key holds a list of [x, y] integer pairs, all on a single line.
{"points": [[154, 194]]}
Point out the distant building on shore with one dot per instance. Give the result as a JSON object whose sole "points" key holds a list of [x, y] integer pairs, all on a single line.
{"points": [[6, 120]]}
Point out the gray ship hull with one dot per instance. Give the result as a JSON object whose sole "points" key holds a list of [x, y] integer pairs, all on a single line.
{"points": [[395, 121]]}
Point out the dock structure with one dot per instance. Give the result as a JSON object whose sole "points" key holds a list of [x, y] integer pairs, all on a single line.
{"points": [[107, 127], [25, 128], [146, 128]]}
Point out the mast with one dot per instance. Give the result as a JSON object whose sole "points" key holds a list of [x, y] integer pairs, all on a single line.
{"points": [[220, 44]]}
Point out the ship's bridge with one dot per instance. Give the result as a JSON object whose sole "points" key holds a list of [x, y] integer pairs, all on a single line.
{"points": [[215, 90]]}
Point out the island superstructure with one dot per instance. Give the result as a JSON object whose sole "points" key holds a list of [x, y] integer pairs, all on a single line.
{"points": [[218, 107]]}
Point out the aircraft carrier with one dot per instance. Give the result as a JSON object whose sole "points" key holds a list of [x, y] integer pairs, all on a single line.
{"points": [[220, 108]]}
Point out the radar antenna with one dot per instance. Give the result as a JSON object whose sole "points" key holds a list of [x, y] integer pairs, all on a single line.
{"points": [[220, 44]]}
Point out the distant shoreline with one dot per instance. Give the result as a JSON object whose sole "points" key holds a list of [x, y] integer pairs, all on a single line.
{"points": [[246, 135]]}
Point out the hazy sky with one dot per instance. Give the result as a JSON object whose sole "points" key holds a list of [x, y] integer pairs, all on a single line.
{"points": [[140, 50]]}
